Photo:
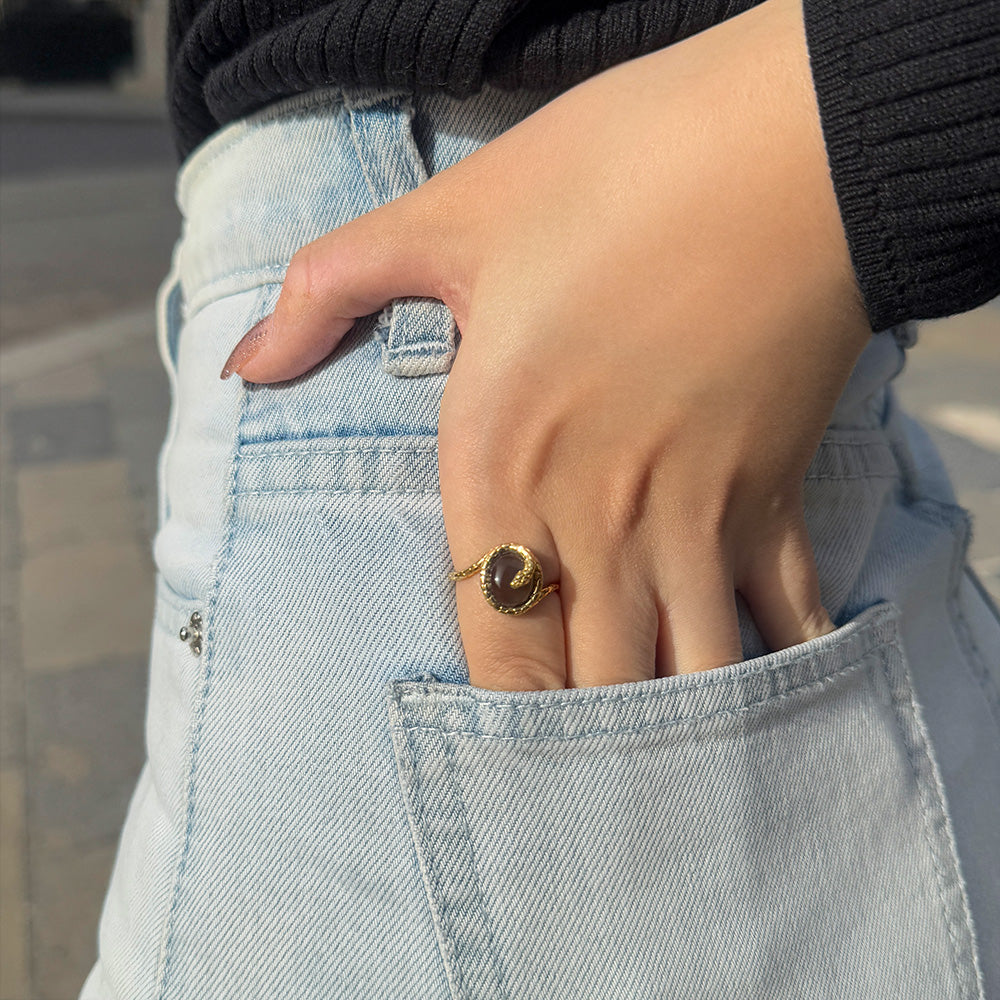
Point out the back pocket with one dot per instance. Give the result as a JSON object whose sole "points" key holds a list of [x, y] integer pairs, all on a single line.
{"points": [[774, 828]]}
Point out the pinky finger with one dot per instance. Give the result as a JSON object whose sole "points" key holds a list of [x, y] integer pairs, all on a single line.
{"points": [[781, 587]]}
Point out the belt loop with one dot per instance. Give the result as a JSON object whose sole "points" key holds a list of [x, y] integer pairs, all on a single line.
{"points": [[417, 333], [905, 334]]}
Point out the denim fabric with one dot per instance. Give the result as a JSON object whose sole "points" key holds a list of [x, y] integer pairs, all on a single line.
{"points": [[329, 810]]}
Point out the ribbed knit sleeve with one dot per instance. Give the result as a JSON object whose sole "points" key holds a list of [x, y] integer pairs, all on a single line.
{"points": [[908, 94], [909, 99]]}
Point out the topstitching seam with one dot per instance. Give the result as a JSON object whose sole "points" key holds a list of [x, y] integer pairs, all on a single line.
{"points": [[320, 491], [697, 684], [449, 754], [362, 155], [211, 605], [401, 449], [430, 867], [960, 625], [923, 796], [663, 723]]}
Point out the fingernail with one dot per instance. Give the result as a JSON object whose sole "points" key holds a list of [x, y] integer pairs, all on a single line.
{"points": [[248, 346]]}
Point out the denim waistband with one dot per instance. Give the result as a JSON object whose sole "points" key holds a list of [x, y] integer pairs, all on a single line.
{"points": [[316, 161], [262, 187]]}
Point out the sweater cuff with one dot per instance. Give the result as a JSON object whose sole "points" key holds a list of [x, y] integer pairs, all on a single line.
{"points": [[909, 102]]}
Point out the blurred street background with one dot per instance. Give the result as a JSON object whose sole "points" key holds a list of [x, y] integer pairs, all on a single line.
{"points": [[88, 222]]}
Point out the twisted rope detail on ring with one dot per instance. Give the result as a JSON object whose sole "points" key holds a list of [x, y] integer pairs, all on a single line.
{"points": [[510, 577]]}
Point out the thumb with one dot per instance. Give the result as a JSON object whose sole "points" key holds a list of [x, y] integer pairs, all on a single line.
{"points": [[352, 271]]}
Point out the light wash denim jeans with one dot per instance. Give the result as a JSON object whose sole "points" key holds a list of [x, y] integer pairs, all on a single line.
{"points": [[329, 810]]}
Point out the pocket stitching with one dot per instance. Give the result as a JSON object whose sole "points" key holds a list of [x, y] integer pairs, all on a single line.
{"points": [[665, 723], [404, 691], [381, 445], [319, 491], [960, 522], [451, 935], [909, 723], [495, 967]]}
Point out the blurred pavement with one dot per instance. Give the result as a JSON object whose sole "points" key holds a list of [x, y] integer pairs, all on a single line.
{"points": [[87, 206], [86, 201], [88, 226]]}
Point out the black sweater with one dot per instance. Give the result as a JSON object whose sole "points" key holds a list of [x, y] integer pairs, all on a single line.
{"points": [[908, 93]]}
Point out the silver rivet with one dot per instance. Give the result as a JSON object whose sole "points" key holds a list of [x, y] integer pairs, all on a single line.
{"points": [[191, 633]]}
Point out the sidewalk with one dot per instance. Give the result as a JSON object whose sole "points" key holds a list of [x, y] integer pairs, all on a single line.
{"points": [[81, 420], [92, 103]]}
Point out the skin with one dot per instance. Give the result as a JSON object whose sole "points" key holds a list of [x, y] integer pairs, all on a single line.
{"points": [[658, 313]]}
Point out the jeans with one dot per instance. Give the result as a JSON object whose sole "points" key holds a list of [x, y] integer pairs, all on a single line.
{"points": [[329, 810]]}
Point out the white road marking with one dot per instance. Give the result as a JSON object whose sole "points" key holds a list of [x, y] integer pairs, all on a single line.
{"points": [[70, 345], [978, 424]]}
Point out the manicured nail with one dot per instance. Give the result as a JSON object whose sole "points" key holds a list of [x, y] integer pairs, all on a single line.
{"points": [[247, 347]]}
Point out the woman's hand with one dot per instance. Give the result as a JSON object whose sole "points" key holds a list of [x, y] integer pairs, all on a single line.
{"points": [[658, 313]]}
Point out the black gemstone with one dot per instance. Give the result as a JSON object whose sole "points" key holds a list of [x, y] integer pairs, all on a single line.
{"points": [[504, 567]]}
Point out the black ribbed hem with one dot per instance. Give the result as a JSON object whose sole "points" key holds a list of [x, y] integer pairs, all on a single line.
{"points": [[229, 58], [909, 101]]}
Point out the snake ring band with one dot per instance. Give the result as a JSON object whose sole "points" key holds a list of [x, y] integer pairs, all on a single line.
{"points": [[510, 577]]}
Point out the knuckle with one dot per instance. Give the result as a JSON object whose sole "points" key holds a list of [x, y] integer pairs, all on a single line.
{"points": [[497, 455], [464, 461], [452, 266], [766, 518], [625, 503], [299, 288]]}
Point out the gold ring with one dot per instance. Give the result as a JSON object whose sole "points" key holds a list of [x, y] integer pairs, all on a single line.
{"points": [[510, 577]]}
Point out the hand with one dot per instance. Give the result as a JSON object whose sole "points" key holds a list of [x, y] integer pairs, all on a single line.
{"points": [[658, 313]]}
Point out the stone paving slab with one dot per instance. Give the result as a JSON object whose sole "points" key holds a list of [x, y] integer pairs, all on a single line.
{"points": [[86, 749], [13, 888], [11, 696], [86, 246], [69, 503], [11, 676], [80, 602], [57, 432], [68, 882]]}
